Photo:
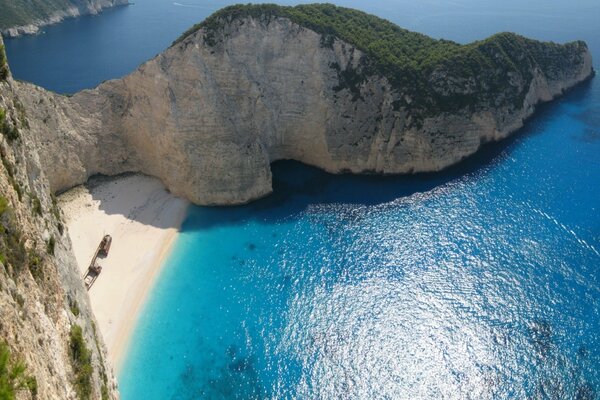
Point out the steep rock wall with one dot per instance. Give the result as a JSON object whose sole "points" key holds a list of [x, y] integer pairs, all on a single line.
{"points": [[42, 298], [209, 119]]}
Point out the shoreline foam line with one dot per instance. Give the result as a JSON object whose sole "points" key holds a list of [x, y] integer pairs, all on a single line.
{"points": [[121, 347], [143, 219]]}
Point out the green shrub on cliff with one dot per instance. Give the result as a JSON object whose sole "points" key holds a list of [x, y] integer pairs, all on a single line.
{"points": [[9, 131], [81, 361], [3, 64], [12, 248], [436, 75], [50, 245], [36, 205], [3, 205], [13, 376]]}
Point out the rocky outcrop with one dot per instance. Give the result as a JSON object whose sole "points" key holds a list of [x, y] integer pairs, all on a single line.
{"points": [[42, 300], [75, 8], [208, 119]]}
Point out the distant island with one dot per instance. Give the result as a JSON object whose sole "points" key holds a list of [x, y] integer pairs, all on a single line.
{"points": [[22, 17], [327, 86]]}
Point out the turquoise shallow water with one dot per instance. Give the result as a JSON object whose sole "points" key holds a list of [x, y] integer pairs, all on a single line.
{"points": [[479, 282]]}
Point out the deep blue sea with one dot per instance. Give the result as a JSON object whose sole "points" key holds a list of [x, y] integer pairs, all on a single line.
{"points": [[481, 282]]}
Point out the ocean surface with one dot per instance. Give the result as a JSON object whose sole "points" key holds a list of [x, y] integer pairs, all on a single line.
{"points": [[480, 282]]}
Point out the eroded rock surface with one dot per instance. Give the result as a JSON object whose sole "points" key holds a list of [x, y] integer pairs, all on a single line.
{"points": [[209, 119], [42, 298]]}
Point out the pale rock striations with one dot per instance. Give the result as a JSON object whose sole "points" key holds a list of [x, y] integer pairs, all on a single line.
{"points": [[42, 297], [208, 120]]}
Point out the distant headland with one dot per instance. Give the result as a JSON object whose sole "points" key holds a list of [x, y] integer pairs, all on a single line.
{"points": [[20, 17]]}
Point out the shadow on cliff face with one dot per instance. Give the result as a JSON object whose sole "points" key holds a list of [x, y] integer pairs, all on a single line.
{"points": [[297, 186]]}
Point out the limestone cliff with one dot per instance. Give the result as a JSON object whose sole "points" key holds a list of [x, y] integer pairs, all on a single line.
{"points": [[45, 317], [249, 86], [211, 113], [20, 17]]}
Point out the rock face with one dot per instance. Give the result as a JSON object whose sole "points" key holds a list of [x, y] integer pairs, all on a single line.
{"points": [[42, 299], [28, 17], [209, 118]]}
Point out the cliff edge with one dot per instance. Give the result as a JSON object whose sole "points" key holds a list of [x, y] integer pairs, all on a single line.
{"points": [[328, 86]]}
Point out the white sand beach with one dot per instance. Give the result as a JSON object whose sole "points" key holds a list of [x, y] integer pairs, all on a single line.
{"points": [[143, 219]]}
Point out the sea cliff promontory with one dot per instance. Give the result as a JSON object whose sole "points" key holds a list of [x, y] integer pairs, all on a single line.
{"points": [[328, 86]]}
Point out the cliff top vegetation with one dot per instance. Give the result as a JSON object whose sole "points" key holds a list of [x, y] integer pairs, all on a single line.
{"points": [[415, 64]]}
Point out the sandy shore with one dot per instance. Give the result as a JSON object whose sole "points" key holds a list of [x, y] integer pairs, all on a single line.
{"points": [[143, 220]]}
